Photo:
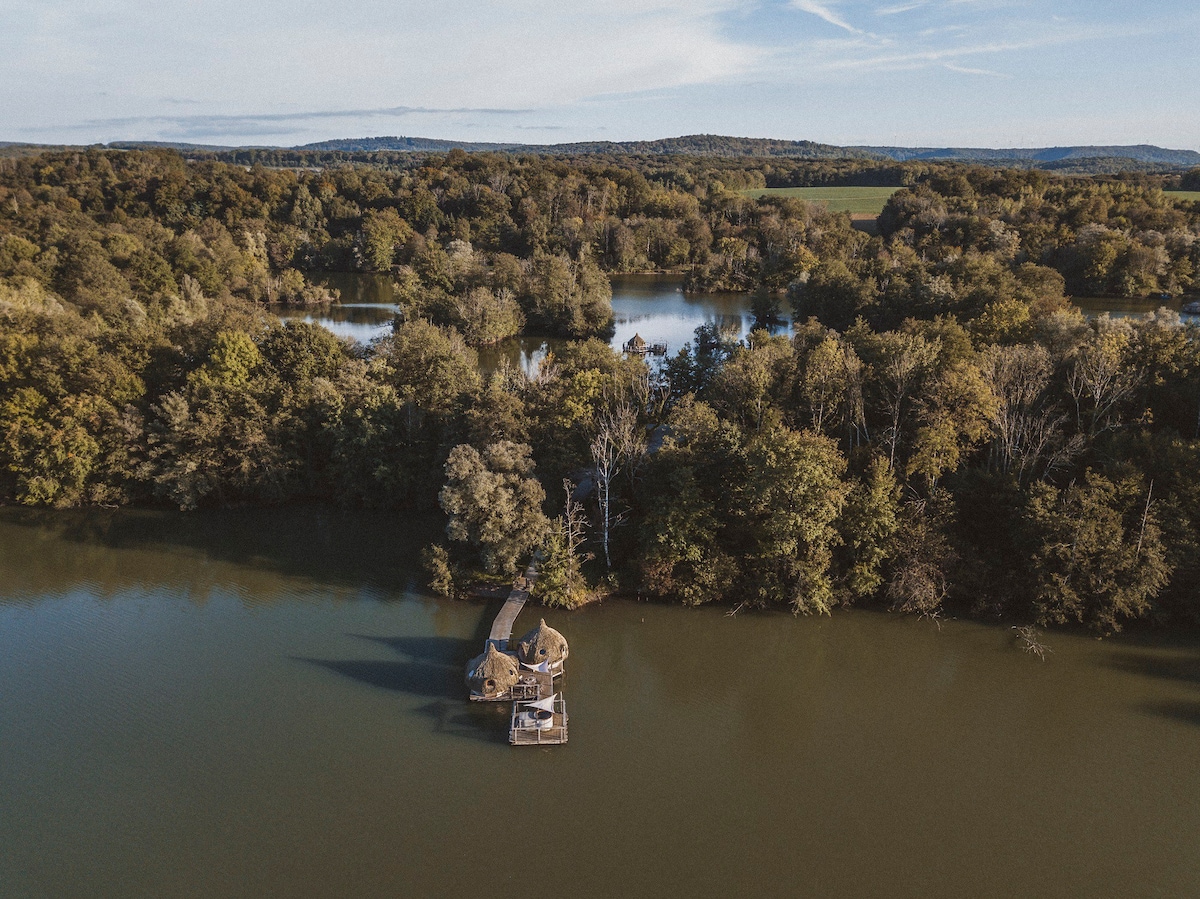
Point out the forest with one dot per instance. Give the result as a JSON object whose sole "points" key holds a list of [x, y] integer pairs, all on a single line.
{"points": [[943, 432]]}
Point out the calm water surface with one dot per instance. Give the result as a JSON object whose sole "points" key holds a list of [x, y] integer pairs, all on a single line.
{"points": [[654, 306], [252, 704]]}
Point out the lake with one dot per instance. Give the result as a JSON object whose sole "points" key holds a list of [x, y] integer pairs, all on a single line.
{"points": [[654, 306], [265, 703]]}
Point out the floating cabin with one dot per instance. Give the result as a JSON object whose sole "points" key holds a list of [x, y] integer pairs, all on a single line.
{"points": [[492, 676], [525, 677], [543, 645], [637, 346]]}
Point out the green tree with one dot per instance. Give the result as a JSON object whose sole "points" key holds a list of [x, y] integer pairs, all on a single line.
{"points": [[868, 526], [1099, 558], [486, 317], [430, 367], [383, 231], [560, 579], [788, 506], [494, 503], [573, 299]]}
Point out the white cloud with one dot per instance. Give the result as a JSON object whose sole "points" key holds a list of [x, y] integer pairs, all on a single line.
{"points": [[276, 56], [896, 10], [822, 11], [292, 71], [964, 70]]}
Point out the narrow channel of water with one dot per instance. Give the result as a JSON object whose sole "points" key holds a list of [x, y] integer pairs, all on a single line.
{"points": [[263, 703]]}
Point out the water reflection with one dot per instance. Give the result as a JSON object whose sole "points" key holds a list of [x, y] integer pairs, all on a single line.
{"points": [[359, 323], [261, 554], [654, 306]]}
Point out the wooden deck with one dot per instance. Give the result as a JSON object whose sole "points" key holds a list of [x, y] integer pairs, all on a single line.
{"points": [[523, 733], [659, 348], [533, 685]]}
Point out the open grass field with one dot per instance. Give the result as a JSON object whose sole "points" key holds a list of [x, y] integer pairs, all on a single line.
{"points": [[1192, 195], [855, 200]]}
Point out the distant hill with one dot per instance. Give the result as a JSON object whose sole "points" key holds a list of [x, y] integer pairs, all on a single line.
{"points": [[689, 145], [404, 144], [1066, 160], [1081, 158], [171, 145], [1143, 153]]}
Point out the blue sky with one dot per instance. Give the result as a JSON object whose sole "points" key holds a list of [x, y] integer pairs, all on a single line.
{"points": [[1012, 73]]}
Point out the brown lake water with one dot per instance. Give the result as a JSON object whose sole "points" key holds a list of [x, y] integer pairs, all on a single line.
{"points": [[263, 704]]}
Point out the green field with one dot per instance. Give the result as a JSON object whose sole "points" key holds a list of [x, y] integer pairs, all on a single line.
{"points": [[861, 200], [1191, 195]]}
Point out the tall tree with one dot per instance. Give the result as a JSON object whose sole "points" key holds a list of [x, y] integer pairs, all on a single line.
{"points": [[494, 503]]}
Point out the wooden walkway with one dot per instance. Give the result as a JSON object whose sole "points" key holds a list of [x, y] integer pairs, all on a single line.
{"points": [[502, 627]]}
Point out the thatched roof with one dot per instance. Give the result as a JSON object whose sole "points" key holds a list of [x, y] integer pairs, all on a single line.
{"points": [[542, 644], [492, 673], [637, 341]]}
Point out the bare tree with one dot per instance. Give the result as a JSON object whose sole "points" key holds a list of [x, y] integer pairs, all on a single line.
{"points": [[1027, 427], [1101, 375], [619, 445], [574, 521], [906, 358]]}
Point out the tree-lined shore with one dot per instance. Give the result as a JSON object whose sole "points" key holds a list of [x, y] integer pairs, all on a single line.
{"points": [[943, 430]]}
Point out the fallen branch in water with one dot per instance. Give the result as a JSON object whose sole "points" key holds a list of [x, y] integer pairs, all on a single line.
{"points": [[934, 615], [1031, 638]]}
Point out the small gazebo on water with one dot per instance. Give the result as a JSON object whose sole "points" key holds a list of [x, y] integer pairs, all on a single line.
{"points": [[637, 346]]}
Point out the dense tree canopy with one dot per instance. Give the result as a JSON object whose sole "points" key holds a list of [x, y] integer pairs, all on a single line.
{"points": [[942, 428]]}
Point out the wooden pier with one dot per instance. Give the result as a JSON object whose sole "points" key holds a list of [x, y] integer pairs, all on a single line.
{"points": [[502, 627]]}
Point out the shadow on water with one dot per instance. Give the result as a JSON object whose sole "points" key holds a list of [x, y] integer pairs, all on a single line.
{"points": [[433, 669], [449, 652], [482, 722], [414, 678], [1187, 712], [1175, 668], [1183, 670], [433, 666], [320, 544]]}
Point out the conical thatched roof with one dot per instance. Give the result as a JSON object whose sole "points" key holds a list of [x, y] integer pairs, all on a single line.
{"points": [[542, 644], [492, 673], [637, 341]]}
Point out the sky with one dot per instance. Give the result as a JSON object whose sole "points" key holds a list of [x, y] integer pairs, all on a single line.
{"points": [[993, 73]]}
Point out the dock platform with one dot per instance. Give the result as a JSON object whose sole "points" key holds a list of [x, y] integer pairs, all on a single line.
{"points": [[527, 730], [532, 685]]}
